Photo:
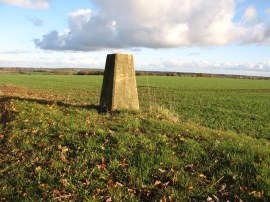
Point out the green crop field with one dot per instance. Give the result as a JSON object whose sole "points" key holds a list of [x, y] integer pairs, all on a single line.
{"points": [[195, 139]]}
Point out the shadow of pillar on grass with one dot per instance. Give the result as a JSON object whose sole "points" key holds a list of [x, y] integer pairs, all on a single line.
{"points": [[49, 102]]}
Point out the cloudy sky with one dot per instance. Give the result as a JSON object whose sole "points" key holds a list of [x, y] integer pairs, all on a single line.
{"points": [[215, 36]]}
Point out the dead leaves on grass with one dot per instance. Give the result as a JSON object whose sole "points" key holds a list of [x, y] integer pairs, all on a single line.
{"points": [[102, 166]]}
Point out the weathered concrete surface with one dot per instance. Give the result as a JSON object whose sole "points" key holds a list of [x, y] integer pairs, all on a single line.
{"points": [[119, 89]]}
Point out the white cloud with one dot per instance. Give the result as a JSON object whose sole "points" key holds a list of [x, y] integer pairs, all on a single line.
{"points": [[267, 11], [17, 51], [32, 4], [193, 54], [120, 24], [36, 21], [250, 14], [53, 59], [178, 65], [50, 59], [203, 66]]}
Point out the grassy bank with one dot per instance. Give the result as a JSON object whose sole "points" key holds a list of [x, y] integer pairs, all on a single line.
{"points": [[194, 139]]}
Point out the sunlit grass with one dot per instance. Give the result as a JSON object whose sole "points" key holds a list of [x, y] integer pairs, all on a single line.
{"points": [[193, 142]]}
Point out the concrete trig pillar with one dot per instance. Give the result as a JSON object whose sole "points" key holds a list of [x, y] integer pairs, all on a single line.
{"points": [[119, 89]]}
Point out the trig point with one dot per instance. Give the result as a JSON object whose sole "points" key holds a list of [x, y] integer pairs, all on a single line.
{"points": [[119, 89]]}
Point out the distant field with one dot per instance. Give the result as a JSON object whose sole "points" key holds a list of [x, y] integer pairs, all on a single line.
{"points": [[239, 105], [194, 139]]}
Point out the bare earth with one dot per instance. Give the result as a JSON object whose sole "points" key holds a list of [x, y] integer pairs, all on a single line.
{"points": [[12, 91]]}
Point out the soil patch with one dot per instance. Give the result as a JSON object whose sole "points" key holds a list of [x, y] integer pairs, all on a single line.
{"points": [[13, 91]]}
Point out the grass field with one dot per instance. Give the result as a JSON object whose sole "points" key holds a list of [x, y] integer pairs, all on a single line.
{"points": [[194, 139]]}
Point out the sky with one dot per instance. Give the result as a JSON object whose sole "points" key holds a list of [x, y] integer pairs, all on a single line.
{"points": [[203, 36]]}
